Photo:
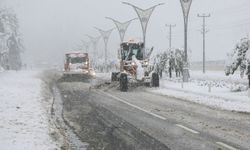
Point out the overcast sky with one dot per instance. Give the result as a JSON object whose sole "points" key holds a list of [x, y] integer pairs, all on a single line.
{"points": [[52, 27]]}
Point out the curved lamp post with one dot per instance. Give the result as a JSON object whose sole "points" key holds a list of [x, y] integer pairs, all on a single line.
{"points": [[186, 4], [105, 35], [86, 45], [94, 41], [121, 27], [144, 16]]}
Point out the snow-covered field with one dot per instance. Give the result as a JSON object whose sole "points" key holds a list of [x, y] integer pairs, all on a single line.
{"points": [[213, 89], [23, 119]]}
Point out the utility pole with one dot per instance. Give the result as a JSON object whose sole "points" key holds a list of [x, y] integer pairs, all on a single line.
{"points": [[170, 34], [204, 31]]}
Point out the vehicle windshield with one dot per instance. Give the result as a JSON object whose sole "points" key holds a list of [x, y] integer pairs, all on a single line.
{"points": [[136, 50], [77, 60]]}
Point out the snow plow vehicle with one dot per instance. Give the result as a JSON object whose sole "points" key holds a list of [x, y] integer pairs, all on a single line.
{"points": [[134, 67], [77, 66]]}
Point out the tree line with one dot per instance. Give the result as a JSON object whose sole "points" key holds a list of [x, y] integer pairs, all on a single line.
{"points": [[11, 45]]}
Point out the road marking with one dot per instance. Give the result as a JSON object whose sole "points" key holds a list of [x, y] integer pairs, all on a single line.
{"points": [[134, 106], [188, 129], [226, 146]]}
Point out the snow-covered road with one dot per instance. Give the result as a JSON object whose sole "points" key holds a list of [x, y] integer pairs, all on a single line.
{"points": [[23, 117]]}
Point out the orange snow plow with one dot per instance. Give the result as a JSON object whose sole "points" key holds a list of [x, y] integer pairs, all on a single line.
{"points": [[77, 66]]}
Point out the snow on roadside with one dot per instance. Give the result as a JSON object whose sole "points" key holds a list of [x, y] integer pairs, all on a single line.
{"points": [[23, 120], [104, 76], [218, 76], [1, 69], [197, 90]]}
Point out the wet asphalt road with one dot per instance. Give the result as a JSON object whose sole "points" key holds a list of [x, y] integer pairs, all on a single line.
{"points": [[175, 123]]}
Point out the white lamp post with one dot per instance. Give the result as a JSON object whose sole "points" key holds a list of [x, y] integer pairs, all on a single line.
{"points": [[144, 16], [105, 35], [121, 27], [186, 4], [94, 41], [86, 46]]}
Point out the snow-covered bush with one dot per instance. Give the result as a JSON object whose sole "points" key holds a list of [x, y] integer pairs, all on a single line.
{"points": [[217, 84], [239, 58], [169, 61], [160, 63], [179, 62], [10, 40], [238, 88]]}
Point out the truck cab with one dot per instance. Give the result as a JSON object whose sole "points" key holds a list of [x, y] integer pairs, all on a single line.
{"points": [[77, 64], [76, 61]]}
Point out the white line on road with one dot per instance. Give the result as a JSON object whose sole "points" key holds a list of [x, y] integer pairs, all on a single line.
{"points": [[188, 129], [226, 146], [134, 106], [163, 118]]}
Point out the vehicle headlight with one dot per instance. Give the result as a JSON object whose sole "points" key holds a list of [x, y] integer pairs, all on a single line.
{"points": [[146, 63], [133, 63]]}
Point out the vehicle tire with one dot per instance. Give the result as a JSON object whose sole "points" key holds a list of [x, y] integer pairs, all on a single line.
{"points": [[147, 84], [155, 81], [114, 76], [124, 82]]}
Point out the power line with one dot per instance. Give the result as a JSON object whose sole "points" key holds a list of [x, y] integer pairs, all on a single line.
{"points": [[204, 31]]}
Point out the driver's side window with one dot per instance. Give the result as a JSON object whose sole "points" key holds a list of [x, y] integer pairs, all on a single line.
{"points": [[124, 54]]}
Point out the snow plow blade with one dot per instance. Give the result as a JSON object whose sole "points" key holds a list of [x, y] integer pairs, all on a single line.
{"points": [[67, 77]]}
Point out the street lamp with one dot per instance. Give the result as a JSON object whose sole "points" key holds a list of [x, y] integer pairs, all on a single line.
{"points": [[144, 16], [105, 35], [86, 45], [94, 41], [186, 4], [121, 27]]}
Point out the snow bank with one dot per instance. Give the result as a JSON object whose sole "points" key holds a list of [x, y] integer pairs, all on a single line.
{"points": [[1, 69], [239, 104], [23, 121], [218, 76], [213, 89], [104, 76]]}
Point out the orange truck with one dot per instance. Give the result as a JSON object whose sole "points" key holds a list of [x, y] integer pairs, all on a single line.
{"points": [[77, 64]]}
